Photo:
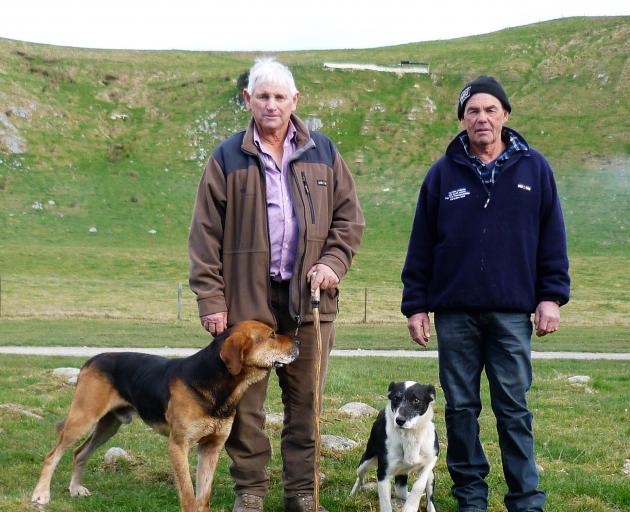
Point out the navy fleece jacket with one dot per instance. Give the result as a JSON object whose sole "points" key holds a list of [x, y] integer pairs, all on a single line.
{"points": [[478, 249]]}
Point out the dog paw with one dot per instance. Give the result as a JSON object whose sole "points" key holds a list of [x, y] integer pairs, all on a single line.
{"points": [[79, 490], [40, 499], [410, 507]]}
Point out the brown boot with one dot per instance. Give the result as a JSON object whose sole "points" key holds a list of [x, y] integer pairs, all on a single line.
{"points": [[248, 503], [300, 503]]}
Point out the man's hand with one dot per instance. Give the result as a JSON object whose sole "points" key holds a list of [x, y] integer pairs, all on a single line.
{"points": [[547, 317], [215, 323], [419, 326], [325, 278]]}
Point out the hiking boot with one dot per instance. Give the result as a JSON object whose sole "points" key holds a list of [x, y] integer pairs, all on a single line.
{"points": [[248, 503], [300, 503]]}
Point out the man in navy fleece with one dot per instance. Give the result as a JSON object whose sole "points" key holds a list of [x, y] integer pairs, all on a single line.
{"points": [[487, 249]]}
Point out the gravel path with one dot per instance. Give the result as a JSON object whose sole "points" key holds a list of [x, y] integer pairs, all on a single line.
{"points": [[182, 352]]}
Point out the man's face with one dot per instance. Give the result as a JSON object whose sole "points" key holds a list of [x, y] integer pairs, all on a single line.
{"points": [[484, 117], [271, 105]]}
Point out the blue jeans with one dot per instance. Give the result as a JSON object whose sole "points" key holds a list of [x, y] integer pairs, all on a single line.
{"points": [[500, 343]]}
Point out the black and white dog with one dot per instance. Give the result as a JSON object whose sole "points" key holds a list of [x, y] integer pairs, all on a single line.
{"points": [[403, 440]]}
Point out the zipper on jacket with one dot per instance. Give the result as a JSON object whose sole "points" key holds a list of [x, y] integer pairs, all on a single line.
{"points": [[485, 187], [310, 199], [298, 317]]}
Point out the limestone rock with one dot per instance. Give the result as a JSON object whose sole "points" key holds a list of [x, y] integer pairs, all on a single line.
{"points": [[114, 454], [579, 379], [357, 410], [338, 443]]}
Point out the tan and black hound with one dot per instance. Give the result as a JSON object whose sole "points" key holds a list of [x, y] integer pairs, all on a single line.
{"points": [[190, 400]]}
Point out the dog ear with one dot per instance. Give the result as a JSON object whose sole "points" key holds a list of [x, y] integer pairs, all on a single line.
{"points": [[390, 390], [232, 352], [431, 390]]}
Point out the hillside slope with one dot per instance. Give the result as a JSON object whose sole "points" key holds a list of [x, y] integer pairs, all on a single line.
{"points": [[114, 141]]}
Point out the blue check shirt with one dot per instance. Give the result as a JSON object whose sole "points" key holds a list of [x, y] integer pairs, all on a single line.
{"points": [[489, 171]]}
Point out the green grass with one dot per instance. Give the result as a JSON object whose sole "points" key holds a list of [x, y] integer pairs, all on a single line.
{"points": [[580, 440], [44, 332], [599, 290], [88, 167]]}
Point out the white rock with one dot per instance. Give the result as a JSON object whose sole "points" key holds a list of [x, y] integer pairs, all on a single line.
{"points": [[338, 443], [152, 231], [579, 379], [370, 486], [20, 112], [313, 123], [357, 410], [114, 454], [66, 372], [10, 137], [274, 419], [626, 467], [92, 229]]}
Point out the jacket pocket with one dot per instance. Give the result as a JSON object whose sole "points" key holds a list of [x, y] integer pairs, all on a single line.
{"points": [[329, 301]]}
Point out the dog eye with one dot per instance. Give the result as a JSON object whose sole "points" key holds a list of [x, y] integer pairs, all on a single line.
{"points": [[273, 336]]}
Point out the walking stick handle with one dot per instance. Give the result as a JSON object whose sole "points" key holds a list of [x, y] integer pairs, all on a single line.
{"points": [[315, 294]]}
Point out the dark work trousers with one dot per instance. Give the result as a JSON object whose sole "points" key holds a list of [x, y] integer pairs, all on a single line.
{"points": [[248, 445], [500, 343]]}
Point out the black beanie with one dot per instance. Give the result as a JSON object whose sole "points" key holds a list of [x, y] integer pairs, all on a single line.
{"points": [[487, 84]]}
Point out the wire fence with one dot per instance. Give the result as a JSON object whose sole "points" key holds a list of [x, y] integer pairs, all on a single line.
{"points": [[49, 297]]}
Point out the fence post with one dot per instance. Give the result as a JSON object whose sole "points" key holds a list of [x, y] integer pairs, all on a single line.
{"points": [[179, 301], [365, 302]]}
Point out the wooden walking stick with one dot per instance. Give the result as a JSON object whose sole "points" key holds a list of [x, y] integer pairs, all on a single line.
{"points": [[315, 294]]}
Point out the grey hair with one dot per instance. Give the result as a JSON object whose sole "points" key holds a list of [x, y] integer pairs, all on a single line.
{"points": [[270, 70]]}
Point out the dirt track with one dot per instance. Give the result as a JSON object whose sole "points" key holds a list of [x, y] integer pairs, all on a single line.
{"points": [[182, 352]]}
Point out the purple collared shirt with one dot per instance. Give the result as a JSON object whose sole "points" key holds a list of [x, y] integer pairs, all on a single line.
{"points": [[283, 228]]}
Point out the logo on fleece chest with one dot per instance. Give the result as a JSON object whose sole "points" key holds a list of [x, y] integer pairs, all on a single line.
{"points": [[458, 193]]}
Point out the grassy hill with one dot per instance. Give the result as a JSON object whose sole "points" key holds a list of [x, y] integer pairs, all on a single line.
{"points": [[115, 140]]}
